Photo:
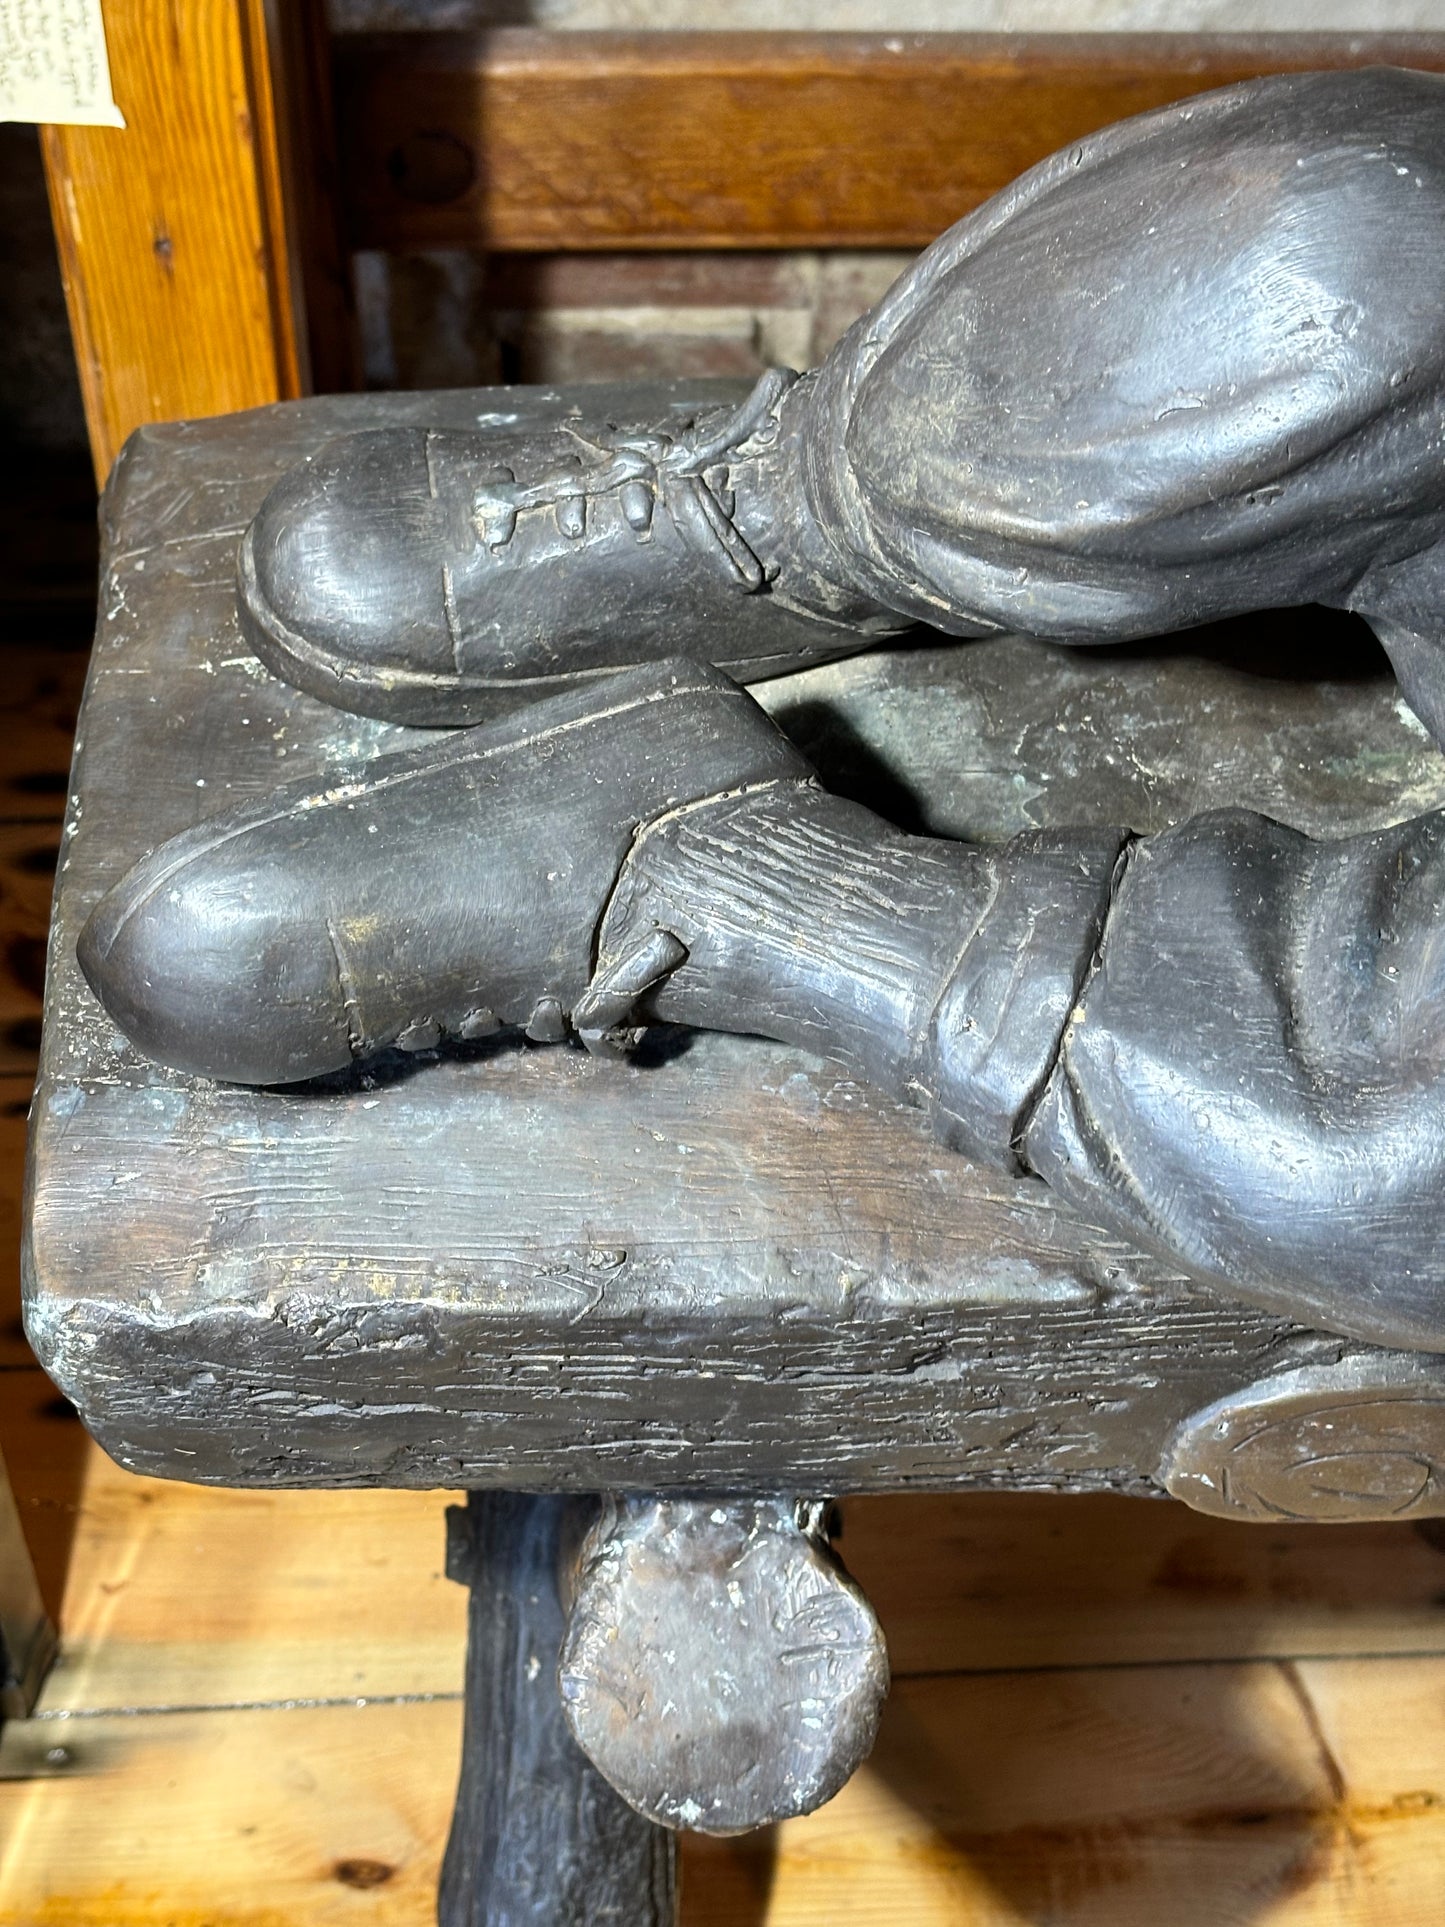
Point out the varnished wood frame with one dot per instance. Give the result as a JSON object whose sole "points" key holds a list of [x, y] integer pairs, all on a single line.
{"points": [[204, 248], [201, 259], [518, 139]]}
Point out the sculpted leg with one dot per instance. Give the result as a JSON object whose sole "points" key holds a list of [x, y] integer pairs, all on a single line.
{"points": [[1254, 1078], [1229, 1043], [940, 972], [1225, 1039], [1189, 367]]}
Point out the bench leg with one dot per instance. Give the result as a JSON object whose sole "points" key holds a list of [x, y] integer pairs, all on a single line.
{"points": [[539, 1839], [720, 1666]]}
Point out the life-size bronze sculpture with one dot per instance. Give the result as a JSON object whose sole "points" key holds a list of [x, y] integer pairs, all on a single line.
{"points": [[1157, 381], [1225, 1039], [1188, 368]]}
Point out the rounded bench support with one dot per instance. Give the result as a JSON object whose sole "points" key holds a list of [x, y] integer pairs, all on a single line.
{"points": [[720, 1667], [1360, 1437]]}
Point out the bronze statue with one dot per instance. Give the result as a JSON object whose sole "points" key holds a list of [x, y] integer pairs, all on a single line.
{"points": [[1189, 367], [1225, 1039]]}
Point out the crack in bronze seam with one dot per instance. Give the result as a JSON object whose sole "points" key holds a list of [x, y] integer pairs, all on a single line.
{"points": [[1030, 1107]]}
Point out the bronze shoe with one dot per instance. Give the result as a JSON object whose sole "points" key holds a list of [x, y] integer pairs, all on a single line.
{"points": [[650, 848], [449, 891], [438, 577]]}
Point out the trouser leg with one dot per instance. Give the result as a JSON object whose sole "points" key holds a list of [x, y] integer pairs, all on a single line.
{"points": [[1253, 1079], [1189, 367], [1227, 1040]]}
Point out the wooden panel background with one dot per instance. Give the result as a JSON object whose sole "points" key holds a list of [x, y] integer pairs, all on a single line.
{"points": [[204, 246], [181, 240], [527, 140]]}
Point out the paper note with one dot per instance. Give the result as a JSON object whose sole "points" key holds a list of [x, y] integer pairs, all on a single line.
{"points": [[53, 65]]}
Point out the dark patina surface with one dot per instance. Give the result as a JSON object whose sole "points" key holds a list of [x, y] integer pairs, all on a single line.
{"points": [[722, 1266]]}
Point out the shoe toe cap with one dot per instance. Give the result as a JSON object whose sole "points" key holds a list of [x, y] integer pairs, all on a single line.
{"points": [[216, 977], [349, 554]]}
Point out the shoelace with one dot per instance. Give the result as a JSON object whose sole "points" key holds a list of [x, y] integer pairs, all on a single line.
{"points": [[687, 472]]}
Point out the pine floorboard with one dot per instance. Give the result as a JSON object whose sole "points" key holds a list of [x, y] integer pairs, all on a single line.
{"points": [[1106, 1713]]}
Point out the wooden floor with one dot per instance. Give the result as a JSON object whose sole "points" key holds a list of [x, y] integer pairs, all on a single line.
{"points": [[1106, 1713]]}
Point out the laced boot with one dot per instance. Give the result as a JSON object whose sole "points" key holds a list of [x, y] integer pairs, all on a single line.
{"points": [[435, 577]]}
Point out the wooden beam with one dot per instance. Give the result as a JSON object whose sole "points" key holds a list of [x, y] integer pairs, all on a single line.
{"points": [[528, 140], [184, 238]]}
